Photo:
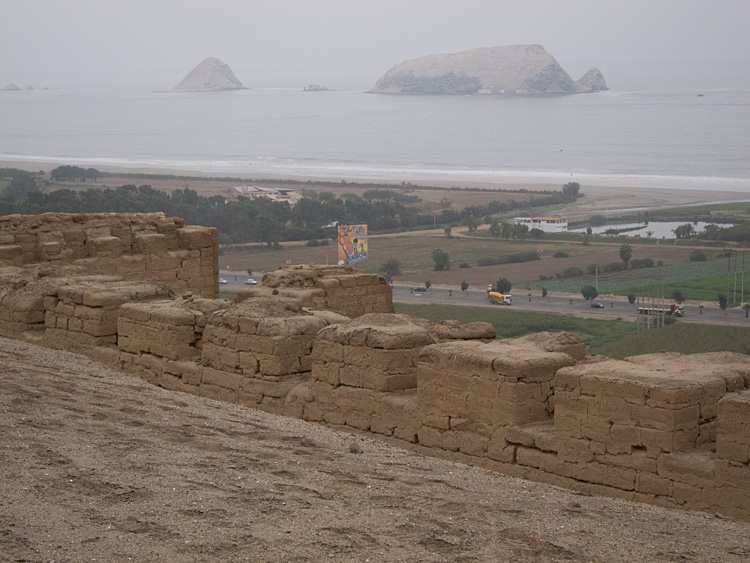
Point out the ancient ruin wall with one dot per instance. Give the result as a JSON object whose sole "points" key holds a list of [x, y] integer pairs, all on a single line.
{"points": [[665, 429], [135, 246], [341, 289]]}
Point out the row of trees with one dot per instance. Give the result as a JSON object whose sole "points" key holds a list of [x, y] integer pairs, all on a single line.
{"points": [[243, 219]]}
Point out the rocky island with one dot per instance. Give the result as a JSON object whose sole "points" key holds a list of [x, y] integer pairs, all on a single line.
{"points": [[525, 70], [212, 75]]}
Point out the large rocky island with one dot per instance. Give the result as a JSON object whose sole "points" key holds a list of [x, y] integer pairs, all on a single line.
{"points": [[526, 70], [212, 75]]}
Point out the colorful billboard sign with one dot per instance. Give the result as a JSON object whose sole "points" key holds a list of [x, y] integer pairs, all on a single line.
{"points": [[352, 243]]}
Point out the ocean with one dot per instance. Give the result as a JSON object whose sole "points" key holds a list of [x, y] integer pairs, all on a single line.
{"points": [[684, 137]]}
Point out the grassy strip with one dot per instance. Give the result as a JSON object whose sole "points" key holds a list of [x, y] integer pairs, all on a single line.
{"points": [[616, 339], [675, 276], [512, 324], [682, 338], [700, 289]]}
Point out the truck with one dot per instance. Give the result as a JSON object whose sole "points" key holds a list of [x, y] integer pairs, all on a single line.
{"points": [[500, 298], [676, 310]]}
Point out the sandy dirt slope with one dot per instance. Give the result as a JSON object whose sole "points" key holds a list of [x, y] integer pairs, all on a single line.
{"points": [[100, 466]]}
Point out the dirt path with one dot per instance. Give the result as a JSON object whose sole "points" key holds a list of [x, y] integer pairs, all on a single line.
{"points": [[99, 466]]}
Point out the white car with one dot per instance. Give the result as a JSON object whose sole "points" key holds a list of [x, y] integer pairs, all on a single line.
{"points": [[251, 281], [222, 281]]}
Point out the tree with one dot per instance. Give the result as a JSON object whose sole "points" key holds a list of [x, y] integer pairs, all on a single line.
{"points": [[536, 234], [571, 190], [544, 292], [698, 256], [507, 229], [678, 296], [447, 230], [684, 231], [626, 251], [503, 285], [589, 292], [464, 285], [723, 302], [631, 298], [391, 267], [249, 271], [495, 229], [21, 185], [746, 307], [519, 231], [471, 223], [441, 259], [427, 285]]}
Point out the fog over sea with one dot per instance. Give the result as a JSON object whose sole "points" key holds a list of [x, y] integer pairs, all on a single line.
{"points": [[684, 134]]}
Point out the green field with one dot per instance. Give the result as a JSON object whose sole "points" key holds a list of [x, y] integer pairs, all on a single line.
{"points": [[699, 281], [616, 339]]}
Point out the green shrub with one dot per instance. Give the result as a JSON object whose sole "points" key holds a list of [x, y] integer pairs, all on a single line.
{"points": [[640, 263], [592, 269], [464, 265], [614, 267], [520, 257], [572, 272], [560, 254], [698, 256], [486, 261]]}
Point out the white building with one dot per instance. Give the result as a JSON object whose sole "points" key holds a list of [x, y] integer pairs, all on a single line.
{"points": [[274, 194], [545, 224]]}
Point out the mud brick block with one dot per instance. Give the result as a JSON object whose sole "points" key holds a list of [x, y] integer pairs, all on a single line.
{"points": [[221, 378], [618, 477], [651, 484], [472, 443], [194, 237], [104, 246], [150, 243], [216, 392]]}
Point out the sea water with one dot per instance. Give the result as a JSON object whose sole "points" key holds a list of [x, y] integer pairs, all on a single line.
{"points": [[642, 137]]}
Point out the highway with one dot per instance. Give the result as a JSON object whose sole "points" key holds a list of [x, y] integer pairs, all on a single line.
{"points": [[566, 304], [561, 304]]}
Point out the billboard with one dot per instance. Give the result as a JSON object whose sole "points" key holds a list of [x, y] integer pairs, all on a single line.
{"points": [[352, 242]]}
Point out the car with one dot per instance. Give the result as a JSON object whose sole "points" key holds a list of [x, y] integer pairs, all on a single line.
{"points": [[251, 281], [597, 305], [222, 281], [419, 289]]}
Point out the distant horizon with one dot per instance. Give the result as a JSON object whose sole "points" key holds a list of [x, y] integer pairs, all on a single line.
{"points": [[624, 76]]}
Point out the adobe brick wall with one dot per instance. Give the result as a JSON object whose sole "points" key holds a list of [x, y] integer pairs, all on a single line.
{"points": [[341, 289], [666, 429], [136, 246], [364, 371]]}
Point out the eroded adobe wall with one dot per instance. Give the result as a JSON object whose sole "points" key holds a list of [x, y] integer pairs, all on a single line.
{"points": [[364, 371], [136, 246], [666, 429], [341, 289]]}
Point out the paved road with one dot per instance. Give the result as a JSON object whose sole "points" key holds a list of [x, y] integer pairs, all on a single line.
{"points": [[565, 304]]}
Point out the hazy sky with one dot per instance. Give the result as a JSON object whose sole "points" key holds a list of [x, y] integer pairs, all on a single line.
{"points": [[338, 43]]}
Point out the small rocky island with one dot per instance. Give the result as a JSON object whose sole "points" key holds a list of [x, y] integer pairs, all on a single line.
{"points": [[212, 75], [520, 70]]}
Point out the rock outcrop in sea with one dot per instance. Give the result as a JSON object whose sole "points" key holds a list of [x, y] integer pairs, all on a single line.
{"points": [[212, 75], [11, 88], [526, 70]]}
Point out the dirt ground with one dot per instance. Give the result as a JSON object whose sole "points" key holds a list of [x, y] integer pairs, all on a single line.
{"points": [[101, 466]]}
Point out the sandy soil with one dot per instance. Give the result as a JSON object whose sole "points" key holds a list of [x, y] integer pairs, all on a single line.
{"points": [[100, 466]]}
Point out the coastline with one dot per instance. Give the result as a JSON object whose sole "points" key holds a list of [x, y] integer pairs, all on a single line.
{"points": [[596, 198]]}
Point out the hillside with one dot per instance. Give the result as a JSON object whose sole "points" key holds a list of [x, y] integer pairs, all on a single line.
{"points": [[100, 465]]}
